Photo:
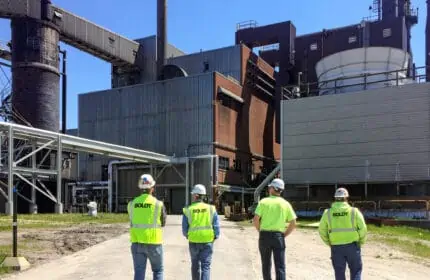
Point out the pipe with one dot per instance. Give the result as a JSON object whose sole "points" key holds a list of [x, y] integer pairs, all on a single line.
{"points": [[161, 35], [64, 94], [427, 33], [110, 165], [265, 182]]}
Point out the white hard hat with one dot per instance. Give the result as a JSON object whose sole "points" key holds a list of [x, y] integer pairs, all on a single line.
{"points": [[199, 189], [277, 184], [341, 193], [146, 181]]}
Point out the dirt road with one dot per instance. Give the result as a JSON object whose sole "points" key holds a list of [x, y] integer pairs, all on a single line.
{"points": [[236, 257]]}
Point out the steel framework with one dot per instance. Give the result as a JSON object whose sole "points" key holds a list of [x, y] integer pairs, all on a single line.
{"points": [[24, 142]]}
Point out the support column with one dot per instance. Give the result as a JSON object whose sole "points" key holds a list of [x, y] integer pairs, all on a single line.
{"points": [[398, 189], [116, 190], [365, 190], [33, 205], [9, 203], [308, 192], [59, 205], [187, 181], [192, 174]]}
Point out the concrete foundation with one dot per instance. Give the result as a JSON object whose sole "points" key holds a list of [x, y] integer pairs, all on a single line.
{"points": [[9, 208], [33, 208], [59, 208]]}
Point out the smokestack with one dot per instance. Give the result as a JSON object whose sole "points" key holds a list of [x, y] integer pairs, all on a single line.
{"points": [[161, 35], [428, 42]]}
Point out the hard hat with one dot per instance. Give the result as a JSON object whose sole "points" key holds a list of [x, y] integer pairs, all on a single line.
{"points": [[341, 193], [199, 189], [277, 184], [146, 182]]}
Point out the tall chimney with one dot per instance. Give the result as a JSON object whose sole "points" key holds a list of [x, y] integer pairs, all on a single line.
{"points": [[428, 42], [161, 35]]}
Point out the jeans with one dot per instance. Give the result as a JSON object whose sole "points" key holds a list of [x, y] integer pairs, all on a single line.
{"points": [[201, 256], [268, 243], [141, 253], [342, 254]]}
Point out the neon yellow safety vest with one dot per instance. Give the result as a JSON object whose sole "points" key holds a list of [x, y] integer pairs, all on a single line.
{"points": [[200, 220], [342, 225], [145, 220]]}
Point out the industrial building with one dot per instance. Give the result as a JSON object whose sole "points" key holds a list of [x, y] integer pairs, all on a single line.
{"points": [[222, 105], [339, 106]]}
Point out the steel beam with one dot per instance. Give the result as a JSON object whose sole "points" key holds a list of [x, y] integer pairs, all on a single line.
{"points": [[9, 203], [40, 190], [33, 205], [59, 205]]}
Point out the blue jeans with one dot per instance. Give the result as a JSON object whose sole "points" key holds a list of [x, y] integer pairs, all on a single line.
{"points": [[272, 243], [342, 254], [201, 256], [141, 253]]}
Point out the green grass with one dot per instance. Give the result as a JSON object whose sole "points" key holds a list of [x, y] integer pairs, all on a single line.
{"points": [[414, 241], [55, 220]]}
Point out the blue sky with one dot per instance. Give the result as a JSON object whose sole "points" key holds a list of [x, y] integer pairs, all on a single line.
{"points": [[201, 24]]}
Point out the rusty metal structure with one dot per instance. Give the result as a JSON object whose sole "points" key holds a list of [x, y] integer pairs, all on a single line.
{"points": [[297, 56]]}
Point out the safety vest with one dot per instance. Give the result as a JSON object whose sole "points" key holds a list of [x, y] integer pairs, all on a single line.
{"points": [[342, 226], [145, 220], [200, 220]]}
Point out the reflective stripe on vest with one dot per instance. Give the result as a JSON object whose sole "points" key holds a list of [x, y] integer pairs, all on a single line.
{"points": [[351, 229], [154, 221], [190, 220]]}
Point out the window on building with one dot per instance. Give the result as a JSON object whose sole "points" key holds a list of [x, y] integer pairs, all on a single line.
{"points": [[386, 32], [224, 163], [352, 39], [237, 165], [314, 47], [205, 66]]}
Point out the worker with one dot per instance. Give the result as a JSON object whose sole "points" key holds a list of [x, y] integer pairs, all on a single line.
{"points": [[200, 225], [343, 228], [271, 217], [147, 217]]}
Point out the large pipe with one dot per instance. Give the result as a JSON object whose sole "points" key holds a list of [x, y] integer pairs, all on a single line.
{"points": [[161, 35], [35, 70], [428, 42]]}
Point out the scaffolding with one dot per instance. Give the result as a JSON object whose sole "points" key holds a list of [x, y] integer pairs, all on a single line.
{"points": [[23, 143]]}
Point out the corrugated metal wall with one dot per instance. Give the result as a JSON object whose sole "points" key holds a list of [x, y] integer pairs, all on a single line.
{"points": [[227, 61], [164, 117], [380, 134]]}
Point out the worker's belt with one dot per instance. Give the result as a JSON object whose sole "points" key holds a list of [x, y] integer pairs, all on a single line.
{"points": [[154, 223], [351, 229]]}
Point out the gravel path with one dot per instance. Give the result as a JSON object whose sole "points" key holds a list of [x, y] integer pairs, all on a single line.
{"points": [[235, 257]]}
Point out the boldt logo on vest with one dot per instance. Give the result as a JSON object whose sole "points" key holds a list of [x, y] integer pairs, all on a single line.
{"points": [[142, 205], [199, 210], [340, 214]]}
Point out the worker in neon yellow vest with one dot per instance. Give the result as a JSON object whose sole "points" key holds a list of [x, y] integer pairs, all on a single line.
{"points": [[200, 225], [147, 217], [344, 229], [271, 217]]}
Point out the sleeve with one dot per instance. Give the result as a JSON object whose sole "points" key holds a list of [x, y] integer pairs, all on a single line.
{"points": [[184, 226], [258, 209], [291, 215], [163, 215], [215, 224], [361, 227], [323, 229]]}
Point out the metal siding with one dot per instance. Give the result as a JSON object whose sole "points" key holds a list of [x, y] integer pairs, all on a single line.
{"points": [[384, 133], [227, 61], [163, 117], [79, 31]]}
